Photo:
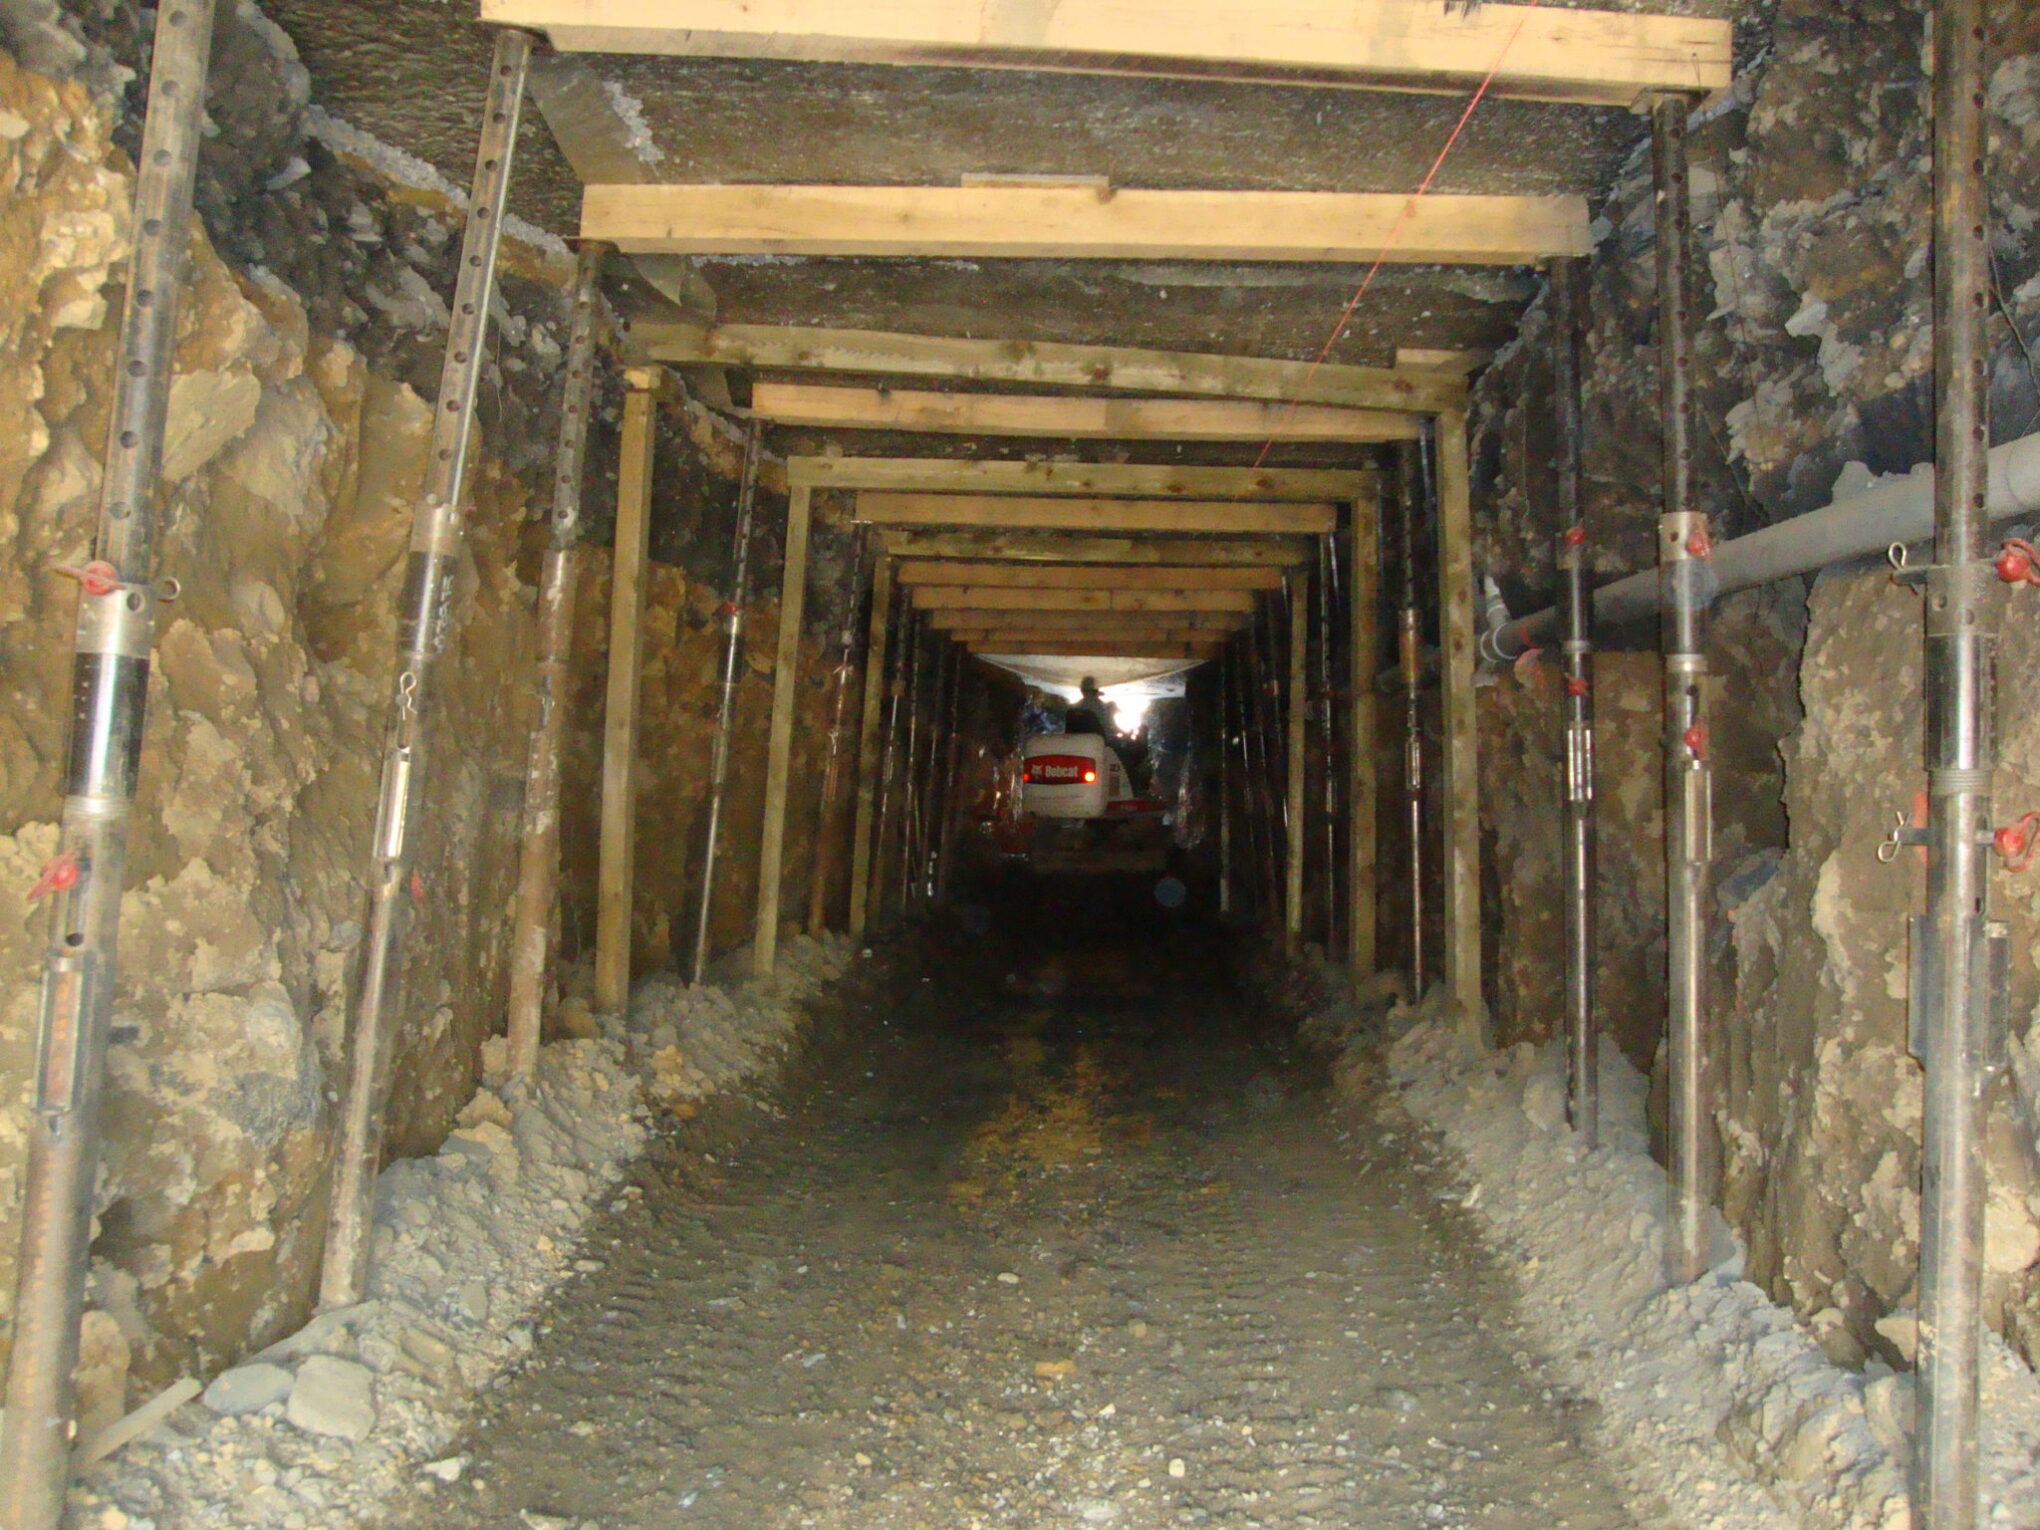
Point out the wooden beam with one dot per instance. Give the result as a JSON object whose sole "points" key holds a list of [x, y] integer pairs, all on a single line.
{"points": [[1031, 547], [1088, 577], [1297, 808], [1114, 649], [937, 597], [1110, 638], [1072, 418], [1363, 591], [1595, 58], [617, 857], [1041, 513], [1462, 736], [1450, 363], [779, 742], [1115, 368], [1076, 223], [1142, 480], [951, 619], [875, 660]]}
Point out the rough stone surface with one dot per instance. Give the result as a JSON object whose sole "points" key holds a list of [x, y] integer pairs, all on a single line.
{"points": [[334, 1397], [247, 1388]]}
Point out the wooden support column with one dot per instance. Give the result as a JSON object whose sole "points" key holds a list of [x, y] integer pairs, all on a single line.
{"points": [[877, 661], [779, 744], [1298, 722], [620, 711], [1462, 739], [1363, 588]]}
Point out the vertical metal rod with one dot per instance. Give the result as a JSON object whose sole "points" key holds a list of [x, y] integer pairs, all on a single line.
{"points": [[1327, 712], [1363, 792], [1415, 482], [1296, 757], [824, 860], [1225, 666], [1684, 550], [1242, 722], [109, 693], [1257, 771], [726, 701], [896, 688], [877, 674], [910, 760], [1959, 952], [952, 801], [942, 746], [422, 623], [538, 866], [1576, 715]]}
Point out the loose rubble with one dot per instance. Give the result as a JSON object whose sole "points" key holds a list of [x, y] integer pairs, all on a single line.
{"points": [[1711, 1399], [320, 1428]]}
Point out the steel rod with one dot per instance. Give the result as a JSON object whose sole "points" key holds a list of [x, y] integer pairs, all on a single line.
{"points": [[943, 747], [952, 801], [726, 701], [864, 820], [1327, 712], [1224, 781], [832, 773], [1576, 715], [1415, 479], [422, 622], [910, 778], [888, 765], [1959, 952], [109, 694], [538, 866], [1685, 552], [1296, 752]]}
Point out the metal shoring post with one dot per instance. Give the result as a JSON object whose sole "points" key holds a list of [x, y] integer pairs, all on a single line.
{"points": [[1296, 758], [949, 746], [422, 618], [539, 844], [924, 817], [1224, 781], [1576, 849], [895, 690], [1959, 952], [726, 701], [910, 757], [1686, 581], [1261, 782], [1415, 480], [1328, 725], [109, 694], [818, 886]]}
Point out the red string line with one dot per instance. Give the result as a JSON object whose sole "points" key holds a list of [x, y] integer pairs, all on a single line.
{"points": [[1395, 230]]}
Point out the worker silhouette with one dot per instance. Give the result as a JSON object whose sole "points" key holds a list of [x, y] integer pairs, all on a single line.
{"points": [[1092, 713]]}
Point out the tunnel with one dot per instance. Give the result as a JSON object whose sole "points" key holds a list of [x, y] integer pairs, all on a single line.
{"points": [[887, 764]]}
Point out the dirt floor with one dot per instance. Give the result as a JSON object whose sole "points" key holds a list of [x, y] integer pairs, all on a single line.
{"points": [[1080, 1243]]}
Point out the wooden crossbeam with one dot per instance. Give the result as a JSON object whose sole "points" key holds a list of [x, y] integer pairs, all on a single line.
{"points": [[1046, 547], [1023, 635], [1115, 650], [972, 597], [967, 618], [1057, 514], [1113, 368], [1072, 418], [1077, 223], [926, 475], [1089, 577], [1603, 58]]}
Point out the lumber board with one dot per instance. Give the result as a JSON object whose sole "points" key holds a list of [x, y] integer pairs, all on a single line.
{"points": [[1121, 369], [1461, 726], [1080, 417], [1087, 576], [1113, 649], [1077, 223], [1044, 513], [779, 741], [937, 597], [1296, 810], [617, 857], [877, 656], [1362, 739], [953, 618], [1049, 548], [1544, 53], [1143, 480]]}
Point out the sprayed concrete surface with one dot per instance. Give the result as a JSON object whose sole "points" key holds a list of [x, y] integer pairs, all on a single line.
{"points": [[1103, 1258]]}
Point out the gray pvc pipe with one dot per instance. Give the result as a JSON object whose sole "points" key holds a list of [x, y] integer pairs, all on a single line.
{"points": [[1896, 509]]}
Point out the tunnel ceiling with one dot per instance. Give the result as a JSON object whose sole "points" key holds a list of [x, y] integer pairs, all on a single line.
{"points": [[410, 72]]}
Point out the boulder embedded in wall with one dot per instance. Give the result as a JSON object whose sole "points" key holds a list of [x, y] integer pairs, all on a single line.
{"points": [[207, 410]]}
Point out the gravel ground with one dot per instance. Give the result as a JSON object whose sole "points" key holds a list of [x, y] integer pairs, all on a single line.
{"points": [[1114, 1258]]}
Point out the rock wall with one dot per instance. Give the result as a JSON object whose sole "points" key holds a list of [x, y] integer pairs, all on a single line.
{"points": [[1813, 216], [291, 466]]}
